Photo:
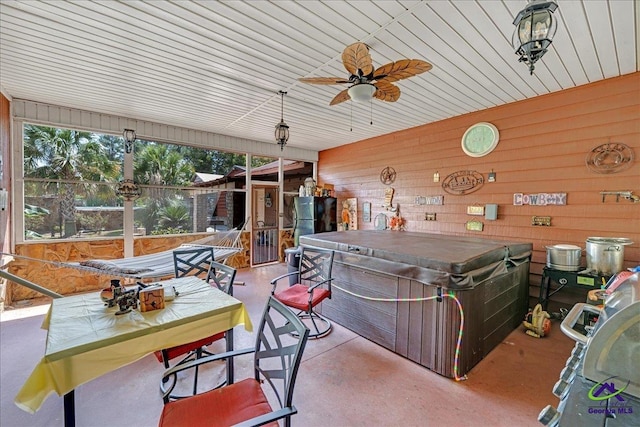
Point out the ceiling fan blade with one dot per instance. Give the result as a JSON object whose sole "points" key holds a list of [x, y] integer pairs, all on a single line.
{"points": [[386, 91], [401, 69], [341, 97], [323, 80], [357, 60]]}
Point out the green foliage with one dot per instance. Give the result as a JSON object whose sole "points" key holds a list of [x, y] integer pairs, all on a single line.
{"points": [[33, 222], [169, 230], [174, 215], [159, 164], [71, 161], [68, 155], [92, 221], [211, 161]]}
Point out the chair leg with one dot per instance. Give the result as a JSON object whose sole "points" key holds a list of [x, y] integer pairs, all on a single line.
{"points": [[195, 354], [318, 325], [195, 376], [165, 360]]}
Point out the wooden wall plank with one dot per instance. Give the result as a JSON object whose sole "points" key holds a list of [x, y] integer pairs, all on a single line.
{"points": [[543, 146]]}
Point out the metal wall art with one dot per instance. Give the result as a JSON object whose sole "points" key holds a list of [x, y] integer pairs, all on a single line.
{"points": [[128, 190], [463, 182], [610, 158], [540, 199], [388, 175], [628, 195]]}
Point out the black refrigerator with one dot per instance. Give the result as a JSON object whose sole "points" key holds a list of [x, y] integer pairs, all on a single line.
{"points": [[314, 215]]}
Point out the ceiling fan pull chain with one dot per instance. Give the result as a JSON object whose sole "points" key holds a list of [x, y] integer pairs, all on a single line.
{"points": [[371, 112], [351, 125]]}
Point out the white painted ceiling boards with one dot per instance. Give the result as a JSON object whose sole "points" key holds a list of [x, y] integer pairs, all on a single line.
{"points": [[217, 66]]}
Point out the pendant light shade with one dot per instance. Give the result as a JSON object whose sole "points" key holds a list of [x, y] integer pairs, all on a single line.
{"points": [[362, 92], [282, 130], [535, 28]]}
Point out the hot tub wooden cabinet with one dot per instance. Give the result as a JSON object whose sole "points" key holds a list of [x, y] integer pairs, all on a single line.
{"points": [[490, 278]]}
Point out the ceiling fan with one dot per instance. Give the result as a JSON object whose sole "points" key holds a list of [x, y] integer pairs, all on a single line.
{"points": [[367, 82]]}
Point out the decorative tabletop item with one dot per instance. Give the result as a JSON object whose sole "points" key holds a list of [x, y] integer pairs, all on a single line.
{"points": [[480, 139]]}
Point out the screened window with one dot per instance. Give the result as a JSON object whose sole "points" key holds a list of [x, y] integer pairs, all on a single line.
{"points": [[70, 181]]}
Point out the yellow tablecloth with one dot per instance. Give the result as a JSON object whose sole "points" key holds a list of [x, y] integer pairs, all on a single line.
{"points": [[86, 339]]}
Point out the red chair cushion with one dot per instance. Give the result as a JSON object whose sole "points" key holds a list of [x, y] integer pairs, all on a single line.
{"points": [[183, 349], [297, 296], [222, 407]]}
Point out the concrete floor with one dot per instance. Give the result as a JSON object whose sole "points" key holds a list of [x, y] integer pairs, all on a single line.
{"points": [[344, 380]]}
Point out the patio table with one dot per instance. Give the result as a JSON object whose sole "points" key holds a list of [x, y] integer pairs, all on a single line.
{"points": [[86, 339]]}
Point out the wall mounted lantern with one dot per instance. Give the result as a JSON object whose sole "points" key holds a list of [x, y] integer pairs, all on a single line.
{"points": [[535, 28], [129, 138], [282, 130]]}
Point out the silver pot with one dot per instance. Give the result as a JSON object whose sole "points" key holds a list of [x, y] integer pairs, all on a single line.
{"points": [[605, 255], [564, 257]]}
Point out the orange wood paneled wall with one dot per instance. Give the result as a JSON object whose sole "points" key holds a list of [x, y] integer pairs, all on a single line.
{"points": [[543, 146]]}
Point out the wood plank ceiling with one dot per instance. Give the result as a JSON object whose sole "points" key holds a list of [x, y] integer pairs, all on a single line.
{"points": [[218, 66]]}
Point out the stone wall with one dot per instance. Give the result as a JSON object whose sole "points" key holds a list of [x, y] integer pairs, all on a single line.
{"points": [[42, 262]]}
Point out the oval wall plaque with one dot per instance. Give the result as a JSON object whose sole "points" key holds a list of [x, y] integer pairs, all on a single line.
{"points": [[463, 182]]}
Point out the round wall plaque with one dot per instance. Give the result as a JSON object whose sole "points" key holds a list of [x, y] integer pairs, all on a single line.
{"points": [[480, 139], [388, 175], [610, 158]]}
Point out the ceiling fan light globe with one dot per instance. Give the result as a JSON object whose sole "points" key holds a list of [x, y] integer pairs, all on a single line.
{"points": [[362, 92]]}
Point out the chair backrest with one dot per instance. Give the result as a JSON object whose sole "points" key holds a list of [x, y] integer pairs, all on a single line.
{"points": [[280, 342], [222, 276], [315, 265], [194, 261]]}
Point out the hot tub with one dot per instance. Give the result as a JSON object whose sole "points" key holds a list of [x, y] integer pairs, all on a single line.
{"points": [[490, 278]]}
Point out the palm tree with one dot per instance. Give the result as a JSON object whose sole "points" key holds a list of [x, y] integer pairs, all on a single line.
{"points": [[66, 156], [160, 165], [174, 215]]}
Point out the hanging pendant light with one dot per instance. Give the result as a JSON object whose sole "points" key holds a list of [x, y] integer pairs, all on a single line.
{"points": [[535, 28], [282, 130]]}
